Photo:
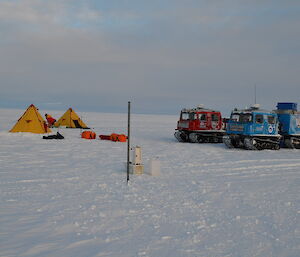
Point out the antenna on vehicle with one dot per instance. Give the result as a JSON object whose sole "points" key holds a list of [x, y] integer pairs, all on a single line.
{"points": [[254, 93]]}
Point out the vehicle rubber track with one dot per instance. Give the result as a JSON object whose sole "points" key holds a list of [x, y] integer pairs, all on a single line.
{"points": [[292, 142], [205, 138], [195, 137], [255, 143], [251, 143], [180, 136], [227, 141]]}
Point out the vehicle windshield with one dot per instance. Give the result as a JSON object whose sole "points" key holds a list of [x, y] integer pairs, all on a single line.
{"points": [[241, 117], [188, 116]]}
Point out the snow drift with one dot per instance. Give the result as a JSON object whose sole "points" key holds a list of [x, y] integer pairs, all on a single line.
{"points": [[70, 198]]}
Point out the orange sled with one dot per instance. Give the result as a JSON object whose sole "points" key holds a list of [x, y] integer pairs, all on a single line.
{"points": [[114, 137], [88, 135]]}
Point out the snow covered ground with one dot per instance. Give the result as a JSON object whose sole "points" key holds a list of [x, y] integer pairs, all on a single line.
{"points": [[70, 198]]}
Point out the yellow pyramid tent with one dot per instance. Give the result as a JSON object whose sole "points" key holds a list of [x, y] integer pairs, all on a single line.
{"points": [[31, 121], [70, 119]]}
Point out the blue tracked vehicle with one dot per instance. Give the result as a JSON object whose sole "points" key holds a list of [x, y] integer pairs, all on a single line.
{"points": [[289, 124], [252, 129]]}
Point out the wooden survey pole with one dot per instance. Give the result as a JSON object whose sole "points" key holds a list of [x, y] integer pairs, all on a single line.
{"points": [[128, 142]]}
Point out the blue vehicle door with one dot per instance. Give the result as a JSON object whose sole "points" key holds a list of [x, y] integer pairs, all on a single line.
{"points": [[259, 124], [272, 123], [265, 124]]}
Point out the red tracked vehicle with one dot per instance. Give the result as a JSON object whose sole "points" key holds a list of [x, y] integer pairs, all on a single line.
{"points": [[200, 125]]}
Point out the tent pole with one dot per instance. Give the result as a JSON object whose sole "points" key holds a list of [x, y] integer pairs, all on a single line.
{"points": [[128, 142]]}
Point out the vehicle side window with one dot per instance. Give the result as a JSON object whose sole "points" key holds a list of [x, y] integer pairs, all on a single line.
{"points": [[193, 116], [214, 117], [271, 119], [245, 118], [259, 118], [185, 116], [202, 117]]}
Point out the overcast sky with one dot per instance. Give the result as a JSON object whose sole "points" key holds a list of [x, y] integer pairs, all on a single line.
{"points": [[163, 55]]}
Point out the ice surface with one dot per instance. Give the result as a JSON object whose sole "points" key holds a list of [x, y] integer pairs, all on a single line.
{"points": [[70, 198]]}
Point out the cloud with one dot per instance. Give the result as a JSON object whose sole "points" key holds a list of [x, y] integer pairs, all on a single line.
{"points": [[40, 13], [98, 54], [31, 11]]}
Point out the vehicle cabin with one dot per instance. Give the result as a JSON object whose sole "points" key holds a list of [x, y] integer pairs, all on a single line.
{"points": [[252, 121], [200, 119]]}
